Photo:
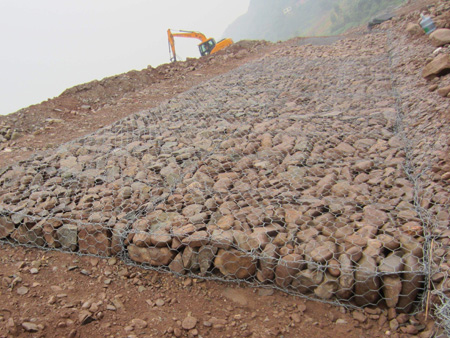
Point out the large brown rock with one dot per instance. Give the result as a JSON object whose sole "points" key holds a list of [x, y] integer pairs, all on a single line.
{"points": [[414, 29], [346, 278], [307, 280], [412, 282], [94, 240], [367, 286], [444, 91], [267, 263], [6, 226], [392, 264], [324, 252], [190, 259], [160, 238], [374, 216], [142, 239], [226, 222], [327, 288], [440, 37], [391, 267], [439, 66], [183, 231], [176, 266], [287, 268], [250, 241], [392, 287], [235, 264], [197, 239], [222, 239], [152, 256]]}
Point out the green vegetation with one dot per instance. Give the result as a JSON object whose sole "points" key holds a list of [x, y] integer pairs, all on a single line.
{"points": [[283, 19]]}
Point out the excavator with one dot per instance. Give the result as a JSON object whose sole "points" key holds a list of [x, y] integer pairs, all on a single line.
{"points": [[207, 45]]}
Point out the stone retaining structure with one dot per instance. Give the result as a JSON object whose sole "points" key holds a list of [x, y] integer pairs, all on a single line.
{"points": [[298, 171]]}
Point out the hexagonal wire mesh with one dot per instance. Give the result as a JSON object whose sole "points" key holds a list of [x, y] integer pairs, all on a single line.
{"points": [[298, 172]]}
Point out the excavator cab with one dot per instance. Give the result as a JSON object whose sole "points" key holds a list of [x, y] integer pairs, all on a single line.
{"points": [[207, 46]]}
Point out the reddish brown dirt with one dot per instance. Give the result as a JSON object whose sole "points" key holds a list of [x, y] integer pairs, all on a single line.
{"points": [[55, 299], [51, 291]]}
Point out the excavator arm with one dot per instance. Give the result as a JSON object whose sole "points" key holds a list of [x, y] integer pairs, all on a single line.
{"points": [[207, 45], [183, 34]]}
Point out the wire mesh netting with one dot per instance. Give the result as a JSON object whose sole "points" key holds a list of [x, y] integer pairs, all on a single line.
{"points": [[309, 171]]}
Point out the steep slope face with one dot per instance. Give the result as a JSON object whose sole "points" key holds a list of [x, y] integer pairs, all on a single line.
{"points": [[285, 19]]}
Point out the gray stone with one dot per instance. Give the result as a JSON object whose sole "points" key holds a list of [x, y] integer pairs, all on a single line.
{"points": [[199, 219], [192, 210], [30, 327], [67, 236], [171, 175], [206, 256]]}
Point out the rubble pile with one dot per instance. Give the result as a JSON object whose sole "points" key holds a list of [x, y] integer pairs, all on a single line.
{"points": [[313, 169]]}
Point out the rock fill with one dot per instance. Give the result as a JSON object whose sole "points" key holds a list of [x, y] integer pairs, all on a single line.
{"points": [[289, 170]]}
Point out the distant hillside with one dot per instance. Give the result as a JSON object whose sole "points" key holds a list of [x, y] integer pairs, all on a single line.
{"points": [[284, 19]]}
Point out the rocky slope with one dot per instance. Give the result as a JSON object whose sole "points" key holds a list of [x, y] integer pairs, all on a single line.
{"points": [[88, 107], [320, 170]]}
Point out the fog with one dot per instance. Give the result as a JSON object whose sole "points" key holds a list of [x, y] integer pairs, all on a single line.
{"points": [[50, 45]]}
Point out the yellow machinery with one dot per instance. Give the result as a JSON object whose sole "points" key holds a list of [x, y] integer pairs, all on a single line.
{"points": [[206, 46]]}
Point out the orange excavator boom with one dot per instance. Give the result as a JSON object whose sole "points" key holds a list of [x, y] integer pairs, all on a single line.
{"points": [[206, 46]]}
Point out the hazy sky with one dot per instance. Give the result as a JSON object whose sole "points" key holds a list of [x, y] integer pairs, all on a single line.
{"points": [[50, 45]]}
